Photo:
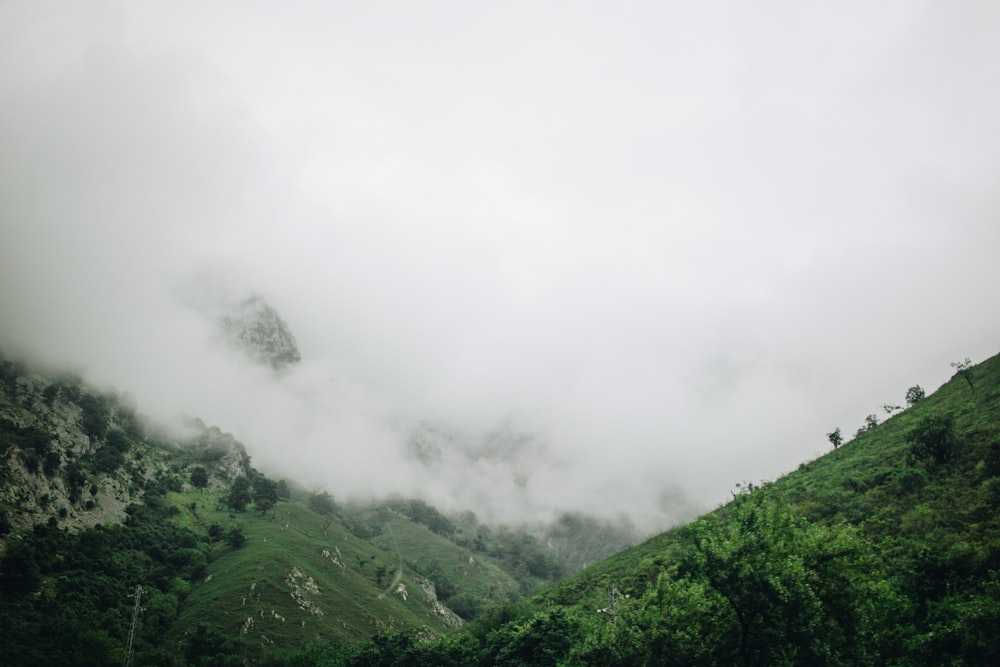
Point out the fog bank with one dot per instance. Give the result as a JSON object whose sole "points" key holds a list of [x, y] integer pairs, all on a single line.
{"points": [[635, 253]]}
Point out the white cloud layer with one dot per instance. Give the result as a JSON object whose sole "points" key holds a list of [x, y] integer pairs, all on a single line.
{"points": [[677, 241]]}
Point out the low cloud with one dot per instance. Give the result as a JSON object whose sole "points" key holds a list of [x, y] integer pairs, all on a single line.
{"points": [[672, 247]]}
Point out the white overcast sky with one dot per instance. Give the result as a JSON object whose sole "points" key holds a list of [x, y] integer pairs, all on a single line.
{"points": [[677, 241]]}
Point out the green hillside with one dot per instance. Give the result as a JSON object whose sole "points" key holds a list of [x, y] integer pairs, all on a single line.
{"points": [[474, 566], [920, 542], [873, 482], [886, 551], [480, 580], [295, 580], [95, 501]]}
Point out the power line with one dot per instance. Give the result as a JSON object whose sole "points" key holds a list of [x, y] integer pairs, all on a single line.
{"points": [[136, 608]]}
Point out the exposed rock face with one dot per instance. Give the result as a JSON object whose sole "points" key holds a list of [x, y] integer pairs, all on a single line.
{"points": [[254, 327], [54, 462], [224, 456], [447, 615], [75, 457], [302, 588], [244, 321]]}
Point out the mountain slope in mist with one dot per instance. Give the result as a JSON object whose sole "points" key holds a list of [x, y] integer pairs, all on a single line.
{"points": [[885, 551], [94, 501], [313, 422], [891, 540], [92, 498]]}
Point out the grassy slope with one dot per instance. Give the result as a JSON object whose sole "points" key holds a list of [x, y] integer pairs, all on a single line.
{"points": [[254, 581], [427, 552], [870, 482]]}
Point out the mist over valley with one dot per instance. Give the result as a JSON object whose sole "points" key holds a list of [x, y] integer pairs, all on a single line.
{"points": [[499, 333]]}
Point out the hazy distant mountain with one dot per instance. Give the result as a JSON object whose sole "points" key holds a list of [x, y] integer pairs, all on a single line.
{"points": [[255, 327], [432, 442]]}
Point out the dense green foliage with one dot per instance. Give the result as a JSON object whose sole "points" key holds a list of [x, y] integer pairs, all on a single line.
{"points": [[915, 394], [239, 495], [264, 493], [66, 595], [933, 439]]}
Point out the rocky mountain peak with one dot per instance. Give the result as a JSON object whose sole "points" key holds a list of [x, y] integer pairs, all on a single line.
{"points": [[254, 326]]}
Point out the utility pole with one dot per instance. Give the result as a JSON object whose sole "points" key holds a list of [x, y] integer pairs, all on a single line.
{"points": [[136, 608]]}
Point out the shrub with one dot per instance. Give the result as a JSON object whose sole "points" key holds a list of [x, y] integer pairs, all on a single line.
{"points": [[322, 504], [199, 477], [835, 437], [933, 439], [111, 456], [236, 538], [51, 464], [914, 394], [94, 419]]}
